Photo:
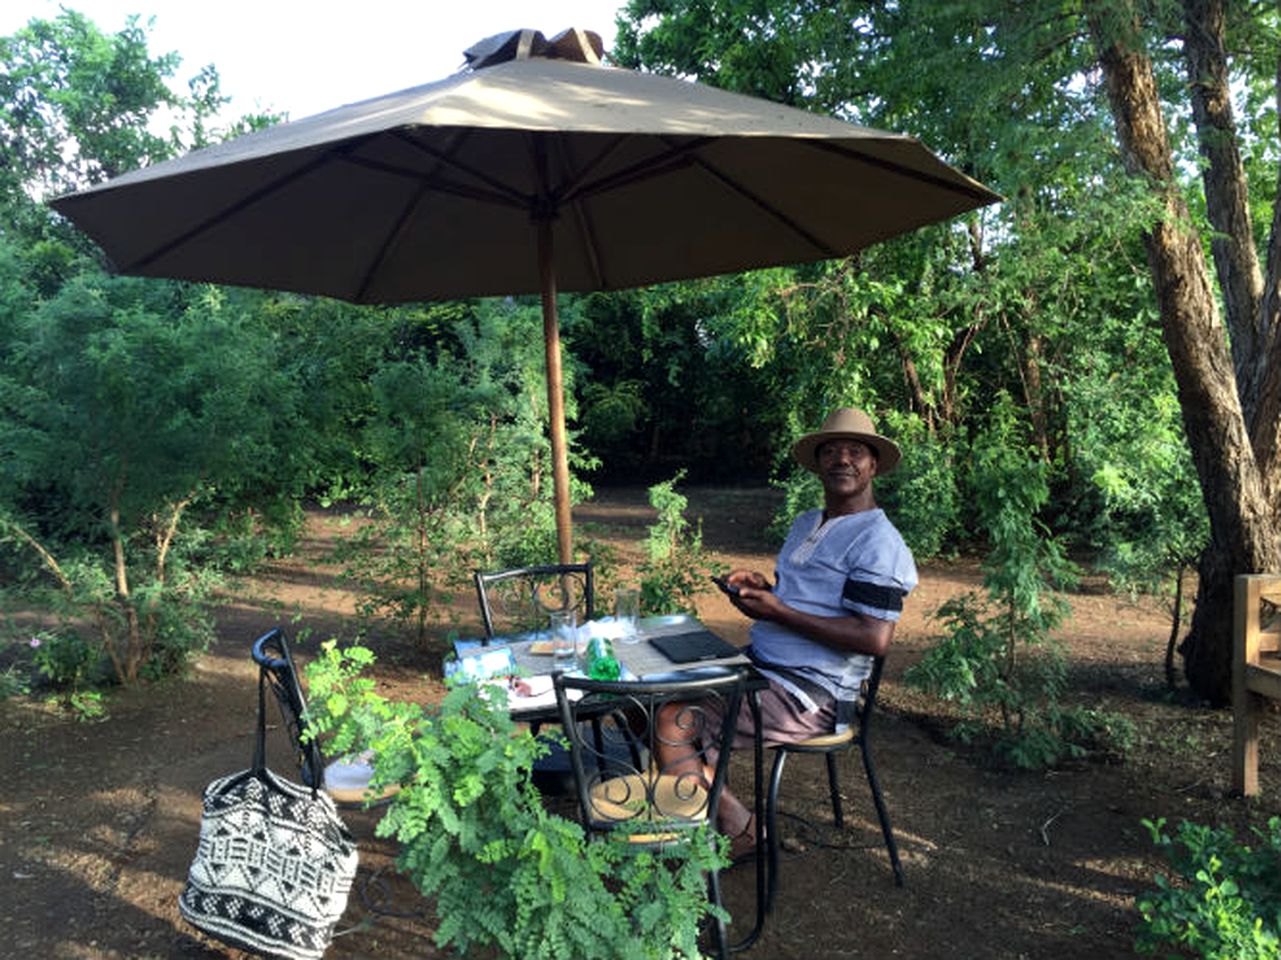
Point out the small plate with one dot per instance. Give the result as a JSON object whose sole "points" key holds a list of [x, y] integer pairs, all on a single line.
{"points": [[666, 620]]}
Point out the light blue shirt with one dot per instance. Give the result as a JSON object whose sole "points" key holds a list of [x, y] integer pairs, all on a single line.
{"points": [[855, 562]]}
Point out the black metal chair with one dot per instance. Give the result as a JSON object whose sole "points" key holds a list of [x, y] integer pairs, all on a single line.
{"points": [[345, 780], [522, 599], [829, 745], [625, 794]]}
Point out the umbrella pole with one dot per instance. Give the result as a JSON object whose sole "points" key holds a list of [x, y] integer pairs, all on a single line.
{"points": [[555, 391]]}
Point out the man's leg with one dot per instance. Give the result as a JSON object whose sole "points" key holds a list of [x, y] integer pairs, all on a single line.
{"points": [[680, 727], [782, 721]]}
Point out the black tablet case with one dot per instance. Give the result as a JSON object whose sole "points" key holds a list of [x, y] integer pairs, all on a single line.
{"points": [[694, 646]]}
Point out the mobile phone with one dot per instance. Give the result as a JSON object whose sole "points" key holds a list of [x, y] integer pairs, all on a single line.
{"points": [[726, 587]]}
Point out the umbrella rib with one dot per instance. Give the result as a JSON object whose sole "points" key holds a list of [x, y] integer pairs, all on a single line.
{"points": [[513, 195], [586, 231], [210, 222], [392, 238], [827, 251], [674, 159], [568, 188], [443, 186], [550, 202], [582, 219], [978, 193]]}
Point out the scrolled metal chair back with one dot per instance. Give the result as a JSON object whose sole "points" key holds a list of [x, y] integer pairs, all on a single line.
{"points": [[522, 600]]}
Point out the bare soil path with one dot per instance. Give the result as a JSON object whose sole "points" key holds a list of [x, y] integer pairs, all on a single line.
{"points": [[98, 821]]}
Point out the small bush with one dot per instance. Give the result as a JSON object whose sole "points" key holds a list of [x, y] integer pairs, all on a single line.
{"points": [[1226, 902], [13, 682], [1013, 703], [507, 876], [677, 567], [65, 658], [922, 495]]}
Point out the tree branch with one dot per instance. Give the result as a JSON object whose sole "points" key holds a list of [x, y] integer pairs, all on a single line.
{"points": [[7, 524]]}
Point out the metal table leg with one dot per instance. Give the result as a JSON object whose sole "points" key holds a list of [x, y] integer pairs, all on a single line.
{"points": [[765, 854]]}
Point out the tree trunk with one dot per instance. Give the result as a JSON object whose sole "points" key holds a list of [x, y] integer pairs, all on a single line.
{"points": [[135, 650], [952, 358], [1227, 201], [1244, 536], [912, 379], [1028, 357]]}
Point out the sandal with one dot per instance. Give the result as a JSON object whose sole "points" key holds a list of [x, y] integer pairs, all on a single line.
{"points": [[742, 845]]}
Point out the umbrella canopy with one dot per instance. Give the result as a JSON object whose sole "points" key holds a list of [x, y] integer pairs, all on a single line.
{"points": [[528, 176]]}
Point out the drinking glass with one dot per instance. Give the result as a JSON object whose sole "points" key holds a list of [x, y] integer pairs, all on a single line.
{"points": [[564, 630], [627, 612]]}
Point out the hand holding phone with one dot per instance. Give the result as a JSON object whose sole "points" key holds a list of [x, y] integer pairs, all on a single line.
{"points": [[727, 588]]}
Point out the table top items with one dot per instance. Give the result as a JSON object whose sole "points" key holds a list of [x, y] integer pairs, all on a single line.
{"points": [[531, 656], [564, 634], [627, 613]]}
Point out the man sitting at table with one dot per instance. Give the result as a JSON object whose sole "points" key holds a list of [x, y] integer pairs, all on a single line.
{"points": [[842, 575]]}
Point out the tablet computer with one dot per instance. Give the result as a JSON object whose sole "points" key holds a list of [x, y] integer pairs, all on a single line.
{"points": [[694, 646]]}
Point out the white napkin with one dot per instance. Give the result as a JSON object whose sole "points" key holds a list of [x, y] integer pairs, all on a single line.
{"points": [[607, 627], [540, 693]]}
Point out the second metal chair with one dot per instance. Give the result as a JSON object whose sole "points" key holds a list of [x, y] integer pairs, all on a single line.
{"points": [[521, 599], [829, 745]]}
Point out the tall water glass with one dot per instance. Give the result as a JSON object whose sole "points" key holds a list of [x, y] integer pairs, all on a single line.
{"points": [[627, 612], [564, 630]]}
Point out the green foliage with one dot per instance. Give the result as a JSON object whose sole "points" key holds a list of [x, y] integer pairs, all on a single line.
{"points": [[997, 655], [922, 494], [78, 105], [128, 411], [473, 833], [1015, 705], [802, 491], [417, 441], [510, 491], [13, 682], [1007, 488], [65, 658], [220, 410], [70, 663], [1045, 297], [86, 705], [676, 567], [661, 383], [1150, 519], [456, 462], [1225, 900], [131, 414]]}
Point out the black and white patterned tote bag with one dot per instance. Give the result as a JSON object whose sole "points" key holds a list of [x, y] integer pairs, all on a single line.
{"points": [[274, 864]]}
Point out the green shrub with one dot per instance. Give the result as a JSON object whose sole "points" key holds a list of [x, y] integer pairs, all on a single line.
{"points": [[70, 662], [13, 682], [997, 657], [1012, 700], [1226, 901], [65, 658], [677, 567], [921, 495], [473, 833]]}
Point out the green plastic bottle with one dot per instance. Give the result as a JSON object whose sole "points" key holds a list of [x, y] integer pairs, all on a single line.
{"points": [[601, 662]]}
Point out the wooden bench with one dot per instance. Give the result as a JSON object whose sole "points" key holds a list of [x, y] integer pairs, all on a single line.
{"points": [[1256, 670]]}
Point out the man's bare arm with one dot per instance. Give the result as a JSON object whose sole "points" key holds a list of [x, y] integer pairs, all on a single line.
{"points": [[853, 632]]}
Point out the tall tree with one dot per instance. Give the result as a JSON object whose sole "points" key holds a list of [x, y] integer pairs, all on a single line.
{"points": [[1230, 410]]}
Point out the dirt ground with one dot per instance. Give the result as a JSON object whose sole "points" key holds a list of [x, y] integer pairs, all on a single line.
{"points": [[98, 821]]}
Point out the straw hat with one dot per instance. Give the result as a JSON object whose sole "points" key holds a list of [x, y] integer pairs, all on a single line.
{"points": [[847, 423]]}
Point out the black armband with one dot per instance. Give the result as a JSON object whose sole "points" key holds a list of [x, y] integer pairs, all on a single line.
{"points": [[873, 595]]}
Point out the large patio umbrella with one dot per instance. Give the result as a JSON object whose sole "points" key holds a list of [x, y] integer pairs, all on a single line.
{"points": [[540, 172]]}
